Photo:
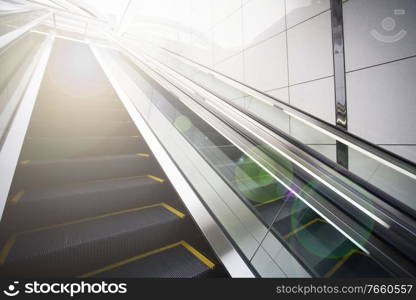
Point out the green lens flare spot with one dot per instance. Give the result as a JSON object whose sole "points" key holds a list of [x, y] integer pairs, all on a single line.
{"points": [[182, 123], [317, 236], [255, 183]]}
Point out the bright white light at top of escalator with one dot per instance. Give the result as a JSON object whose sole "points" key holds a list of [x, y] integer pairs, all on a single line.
{"points": [[110, 9], [49, 3], [9, 6], [173, 14]]}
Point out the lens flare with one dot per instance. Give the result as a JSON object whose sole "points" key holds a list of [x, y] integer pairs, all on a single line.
{"points": [[256, 184], [182, 123], [315, 235]]}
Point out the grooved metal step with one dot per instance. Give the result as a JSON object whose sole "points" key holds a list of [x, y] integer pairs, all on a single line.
{"points": [[81, 169], [81, 128], [70, 249], [178, 260], [43, 206], [79, 112], [75, 147]]}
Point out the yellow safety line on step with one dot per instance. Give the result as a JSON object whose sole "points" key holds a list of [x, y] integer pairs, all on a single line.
{"points": [[10, 242], [143, 154], [303, 227], [124, 178], [342, 261], [120, 178], [88, 219], [173, 210], [129, 260], [24, 162], [101, 216], [269, 201], [198, 255], [158, 179], [134, 136], [6, 249], [16, 198], [188, 247], [109, 179]]}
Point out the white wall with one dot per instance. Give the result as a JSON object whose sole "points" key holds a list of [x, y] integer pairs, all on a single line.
{"points": [[381, 72]]}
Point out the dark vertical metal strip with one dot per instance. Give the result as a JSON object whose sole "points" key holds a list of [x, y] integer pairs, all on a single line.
{"points": [[339, 77]]}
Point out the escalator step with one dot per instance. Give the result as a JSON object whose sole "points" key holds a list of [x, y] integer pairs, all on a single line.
{"points": [[67, 171], [81, 104], [43, 206], [74, 147], [178, 260], [97, 94], [81, 128], [74, 112], [70, 249]]}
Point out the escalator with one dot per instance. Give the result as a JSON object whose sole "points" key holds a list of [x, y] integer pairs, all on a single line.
{"points": [[88, 198]]}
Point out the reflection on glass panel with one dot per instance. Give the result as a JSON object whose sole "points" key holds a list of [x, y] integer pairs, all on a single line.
{"points": [[383, 177], [323, 249]]}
